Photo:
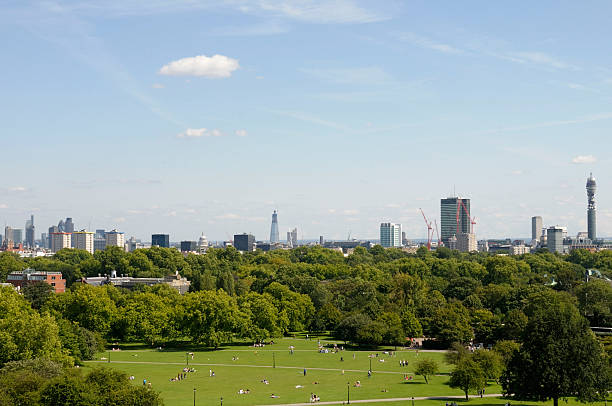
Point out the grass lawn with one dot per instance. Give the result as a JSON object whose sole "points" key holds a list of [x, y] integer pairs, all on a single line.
{"points": [[244, 367]]}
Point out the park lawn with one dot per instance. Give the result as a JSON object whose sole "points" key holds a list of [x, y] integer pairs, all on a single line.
{"points": [[254, 364]]}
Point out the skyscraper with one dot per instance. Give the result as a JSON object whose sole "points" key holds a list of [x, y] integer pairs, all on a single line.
{"points": [[160, 240], [8, 236], [274, 238], [536, 228], [115, 238], [30, 232], [554, 238], [69, 225], [292, 238], [450, 222], [591, 188], [17, 236], [390, 235]]}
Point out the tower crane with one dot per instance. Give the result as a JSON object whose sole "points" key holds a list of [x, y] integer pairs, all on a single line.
{"points": [[472, 220], [429, 230]]}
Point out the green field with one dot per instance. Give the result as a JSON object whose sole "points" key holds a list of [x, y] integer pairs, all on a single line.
{"points": [[242, 366]]}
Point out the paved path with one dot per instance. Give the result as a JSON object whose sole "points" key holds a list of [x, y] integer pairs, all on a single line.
{"points": [[300, 368], [342, 402]]}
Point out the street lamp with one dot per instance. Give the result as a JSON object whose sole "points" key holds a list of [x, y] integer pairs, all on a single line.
{"points": [[221, 400], [187, 358], [194, 391], [273, 360], [109, 357], [370, 364], [413, 401], [348, 393]]}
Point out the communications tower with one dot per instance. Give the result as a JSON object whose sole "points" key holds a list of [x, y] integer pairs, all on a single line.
{"points": [[591, 188]]}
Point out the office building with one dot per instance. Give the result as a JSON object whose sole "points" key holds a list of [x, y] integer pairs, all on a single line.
{"points": [[8, 237], [160, 240], [68, 225], [536, 228], [99, 240], [554, 238], [17, 236], [244, 242], [30, 232], [591, 188], [60, 241], [274, 237], [390, 235], [454, 218], [189, 246], [23, 278], [115, 238], [52, 229], [466, 242], [321, 241], [83, 240], [292, 238]]}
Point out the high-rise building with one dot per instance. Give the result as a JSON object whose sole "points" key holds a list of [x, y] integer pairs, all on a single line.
{"points": [[554, 239], [466, 242], [17, 236], [321, 241], [8, 237], [274, 238], [160, 240], [99, 240], [133, 244], [60, 241], [536, 228], [52, 229], [591, 188], [390, 235], [61, 226], [292, 238], [452, 223], [115, 238], [44, 238], [188, 246], [83, 240], [244, 242], [30, 232], [68, 225]]}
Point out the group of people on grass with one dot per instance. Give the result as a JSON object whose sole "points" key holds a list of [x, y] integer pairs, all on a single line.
{"points": [[182, 375], [314, 398]]}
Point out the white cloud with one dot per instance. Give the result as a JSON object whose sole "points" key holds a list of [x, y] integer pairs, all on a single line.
{"points": [[3, 206], [429, 44], [241, 133], [214, 67], [18, 189], [517, 172], [321, 11], [200, 132], [584, 159], [351, 212], [119, 220], [227, 216], [393, 205], [157, 86], [539, 58], [331, 211]]}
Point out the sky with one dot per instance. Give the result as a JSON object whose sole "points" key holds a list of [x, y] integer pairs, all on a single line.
{"points": [[195, 116]]}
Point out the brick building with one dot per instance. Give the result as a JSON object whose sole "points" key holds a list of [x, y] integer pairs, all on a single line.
{"points": [[23, 278]]}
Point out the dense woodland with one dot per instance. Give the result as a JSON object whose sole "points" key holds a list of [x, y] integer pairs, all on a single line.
{"points": [[372, 297]]}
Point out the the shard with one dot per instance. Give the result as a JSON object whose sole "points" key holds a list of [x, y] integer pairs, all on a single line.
{"points": [[274, 238]]}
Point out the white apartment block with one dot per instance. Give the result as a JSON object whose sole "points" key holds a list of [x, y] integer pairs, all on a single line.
{"points": [[60, 240], [83, 240], [115, 238]]}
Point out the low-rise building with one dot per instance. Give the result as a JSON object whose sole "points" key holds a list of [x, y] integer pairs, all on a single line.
{"points": [[29, 276], [175, 281]]}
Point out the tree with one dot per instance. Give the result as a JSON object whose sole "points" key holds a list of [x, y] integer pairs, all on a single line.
{"points": [[456, 353], [349, 326], [559, 356], [426, 367], [490, 362], [452, 323], [467, 376], [410, 324], [595, 302], [37, 293]]}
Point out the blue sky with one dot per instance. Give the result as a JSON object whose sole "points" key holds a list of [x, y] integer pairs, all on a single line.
{"points": [[190, 116]]}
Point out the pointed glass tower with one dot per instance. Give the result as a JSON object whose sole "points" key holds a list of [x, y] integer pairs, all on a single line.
{"points": [[274, 229]]}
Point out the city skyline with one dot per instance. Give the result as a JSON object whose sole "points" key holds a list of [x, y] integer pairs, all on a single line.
{"points": [[165, 106]]}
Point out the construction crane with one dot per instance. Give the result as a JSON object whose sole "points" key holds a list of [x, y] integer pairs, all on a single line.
{"points": [[429, 230], [472, 220], [437, 234]]}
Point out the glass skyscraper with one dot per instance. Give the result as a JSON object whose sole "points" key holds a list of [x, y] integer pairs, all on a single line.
{"points": [[274, 237], [448, 218], [390, 235]]}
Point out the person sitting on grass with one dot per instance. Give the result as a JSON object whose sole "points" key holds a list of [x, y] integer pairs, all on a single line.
{"points": [[357, 384], [274, 396]]}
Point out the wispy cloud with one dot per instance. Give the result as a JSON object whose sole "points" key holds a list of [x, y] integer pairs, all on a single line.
{"points": [[298, 115], [227, 216], [241, 133], [18, 189], [213, 67], [428, 43], [584, 119], [311, 11], [157, 86], [200, 132], [361, 75], [539, 58], [3, 206], [584, 159]]}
